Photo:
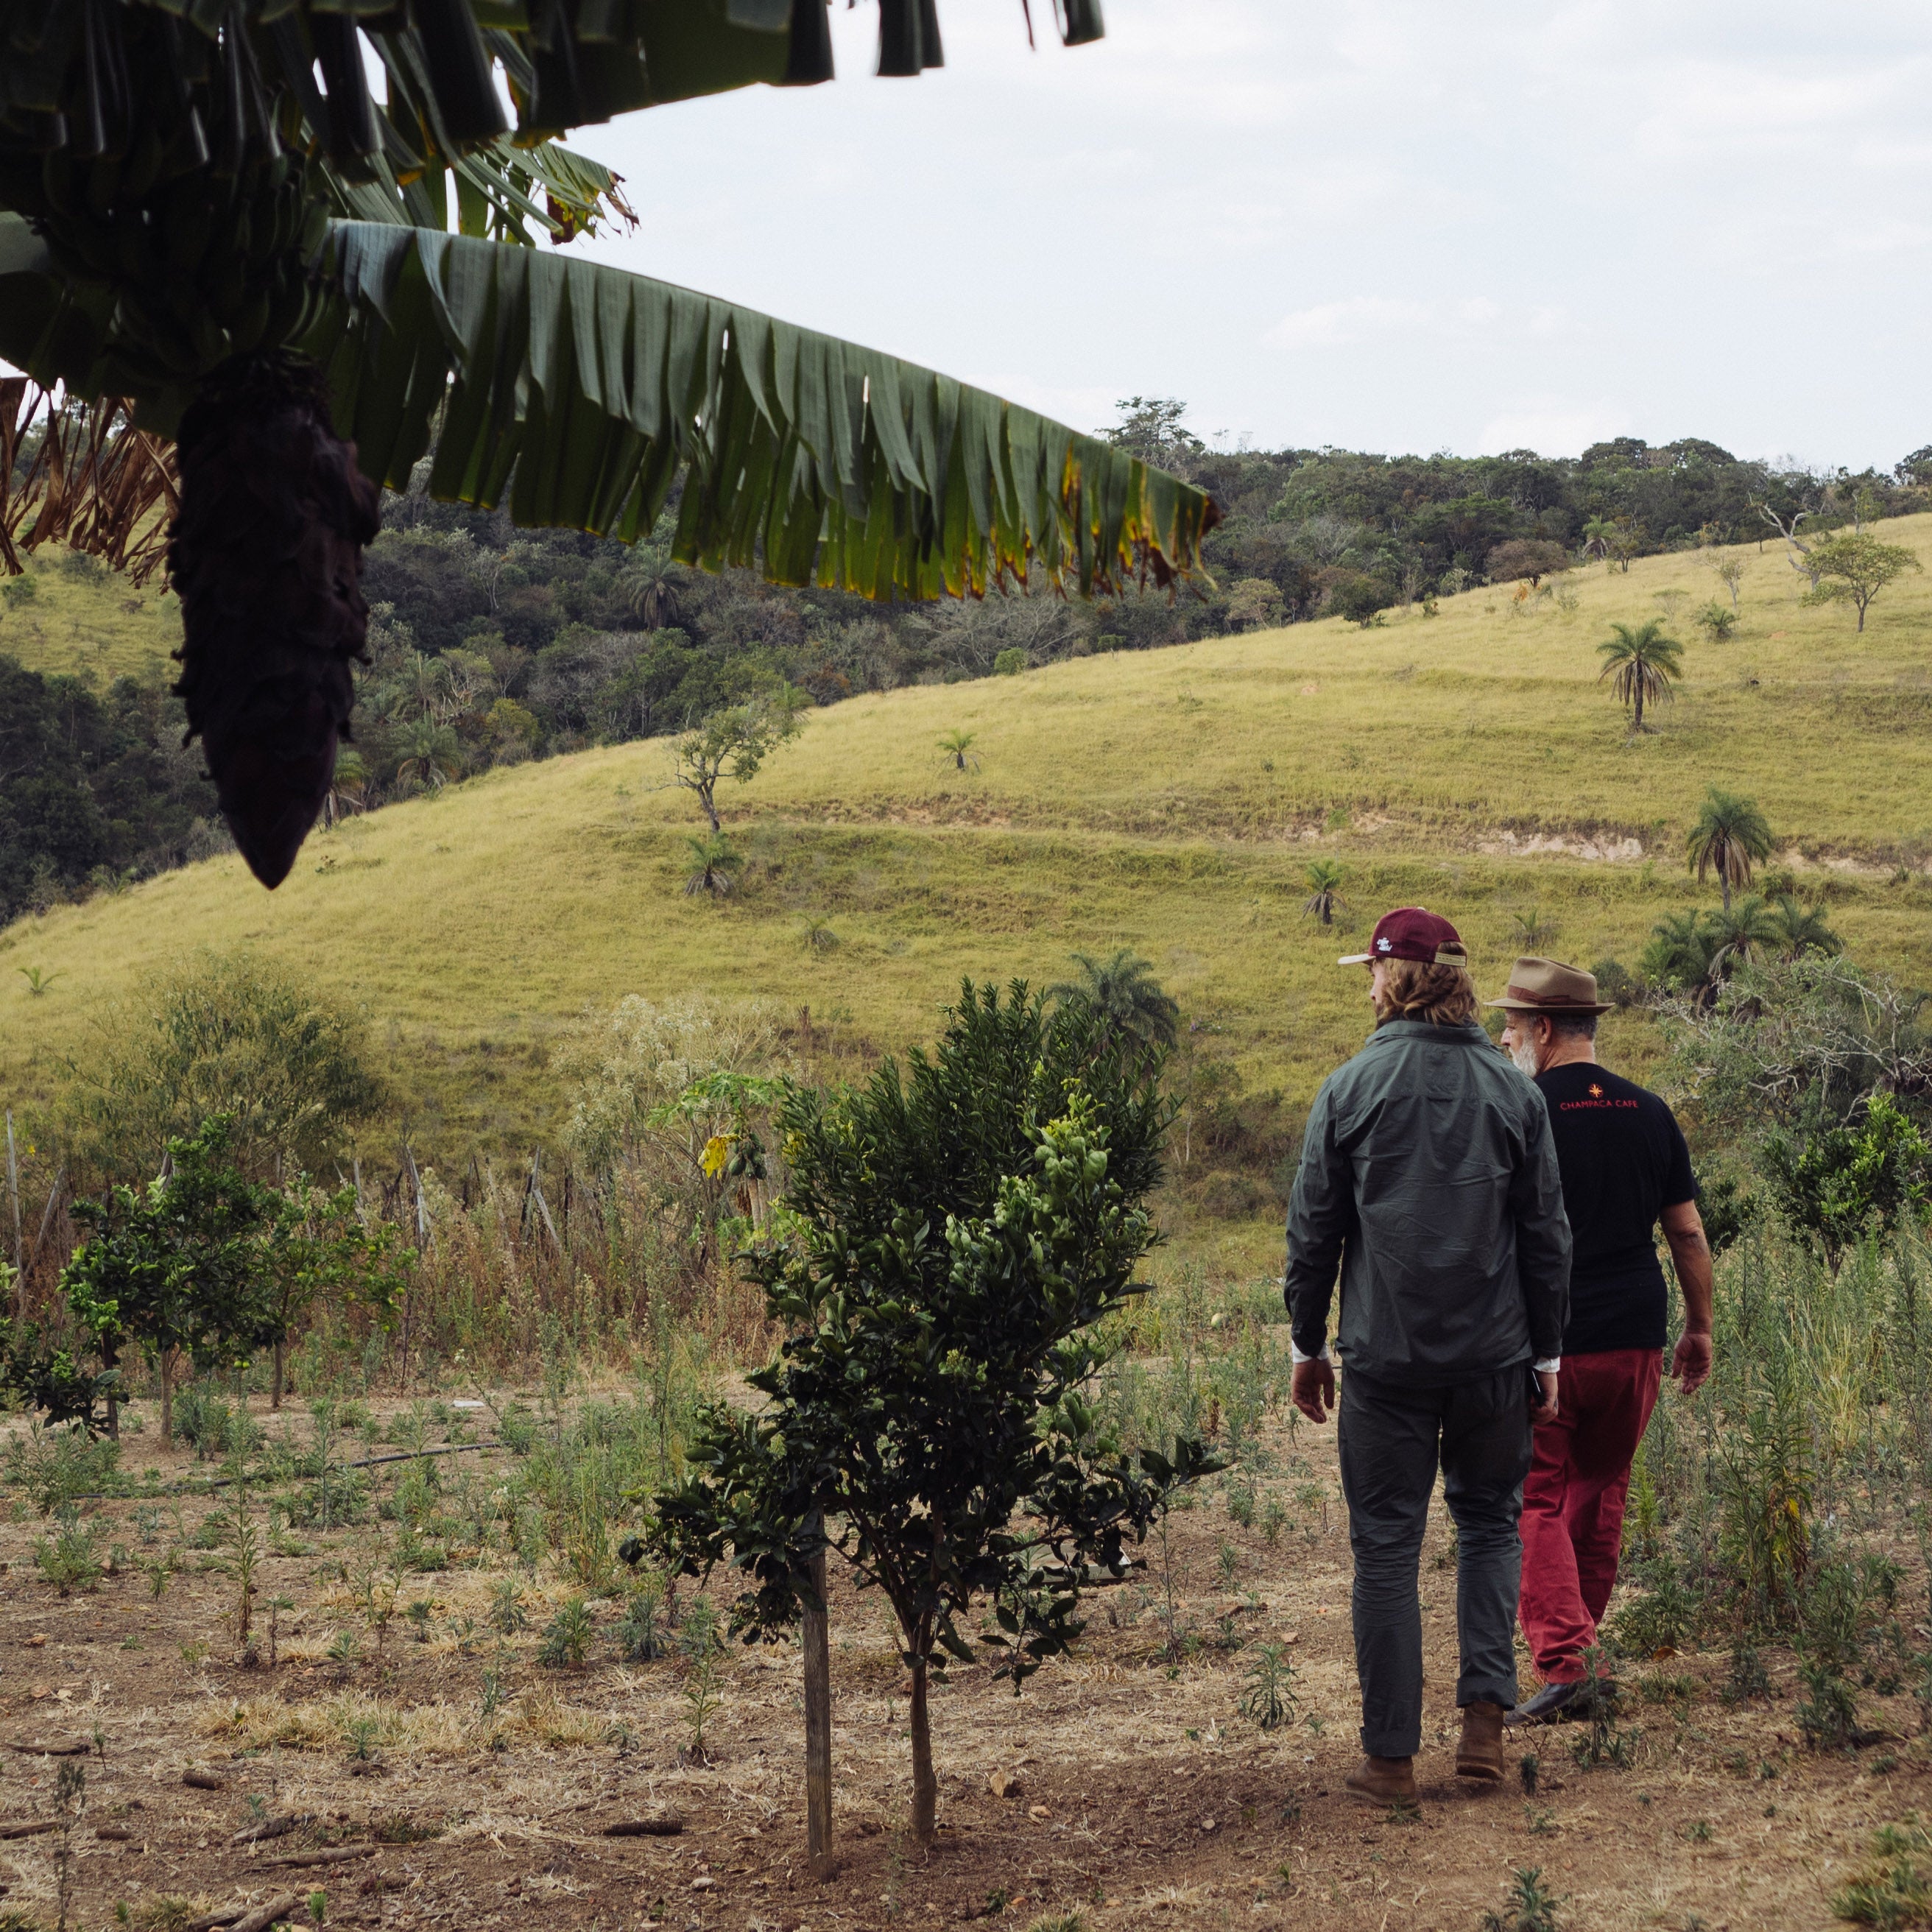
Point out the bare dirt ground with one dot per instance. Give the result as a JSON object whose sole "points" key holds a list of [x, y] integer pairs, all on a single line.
{"points": [[1138, 1796]]}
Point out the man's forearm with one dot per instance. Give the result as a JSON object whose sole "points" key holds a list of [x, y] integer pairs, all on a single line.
{"points": [[1690, 1257]]}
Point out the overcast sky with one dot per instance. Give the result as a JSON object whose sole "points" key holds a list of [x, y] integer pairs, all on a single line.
{"points": [[1397, 225]]}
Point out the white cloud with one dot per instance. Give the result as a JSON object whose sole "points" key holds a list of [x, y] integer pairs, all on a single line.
{"points": [[1393, 224], [1335, 325]]}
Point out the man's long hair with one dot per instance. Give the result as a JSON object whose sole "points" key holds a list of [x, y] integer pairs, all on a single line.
{"points": [[1442, 995]]}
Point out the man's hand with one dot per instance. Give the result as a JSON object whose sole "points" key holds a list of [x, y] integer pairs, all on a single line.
{"points": [[1545, 1410], [1312, 1390], [1691, 1364]]}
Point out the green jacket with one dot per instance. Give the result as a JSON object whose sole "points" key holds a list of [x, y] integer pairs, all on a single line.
{"points": [[1428, 1172]]}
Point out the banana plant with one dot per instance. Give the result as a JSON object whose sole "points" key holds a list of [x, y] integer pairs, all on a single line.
{"points": [[214, 240]]}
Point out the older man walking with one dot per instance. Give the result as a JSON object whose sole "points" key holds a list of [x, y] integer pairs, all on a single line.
{"points": [[1625, 1168], [1427, 1172]]}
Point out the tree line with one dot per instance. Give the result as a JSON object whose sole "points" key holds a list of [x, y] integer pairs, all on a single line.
{"points": [[489, 645]]}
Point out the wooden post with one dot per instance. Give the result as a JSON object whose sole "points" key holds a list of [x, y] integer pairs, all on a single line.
{"points": [[13, 1189], [815, 1640]]}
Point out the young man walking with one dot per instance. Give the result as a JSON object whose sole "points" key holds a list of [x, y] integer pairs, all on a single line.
{"points": [[1427, 1173], [1625, 1167]]}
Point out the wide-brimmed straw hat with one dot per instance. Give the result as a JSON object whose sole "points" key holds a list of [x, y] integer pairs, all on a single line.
{"points": [[1549, 986]]}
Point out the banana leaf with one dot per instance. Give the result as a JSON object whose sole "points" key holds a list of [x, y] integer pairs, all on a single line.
{"points": [[74, 62], [578, 393]]}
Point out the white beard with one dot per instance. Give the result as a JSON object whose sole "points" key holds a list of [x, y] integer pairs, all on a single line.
{"points": [[1524, 1054]]}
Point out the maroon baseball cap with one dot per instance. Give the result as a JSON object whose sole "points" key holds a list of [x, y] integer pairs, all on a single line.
{"points": [[1410, 933]]}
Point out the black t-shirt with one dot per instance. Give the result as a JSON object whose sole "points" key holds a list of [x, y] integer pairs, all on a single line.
{"points": [[1623, 1162]]}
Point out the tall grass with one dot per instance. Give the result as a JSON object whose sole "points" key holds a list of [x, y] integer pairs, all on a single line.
{"points": [[1777, 1506]]}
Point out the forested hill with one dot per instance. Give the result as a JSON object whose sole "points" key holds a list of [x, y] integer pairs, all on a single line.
{"points": [[491, 645]]}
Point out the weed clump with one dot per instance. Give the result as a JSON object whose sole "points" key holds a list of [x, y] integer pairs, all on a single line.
{"points": [[567, 1637], [1895, 1887], [1531, 1906], [70, 1559]]}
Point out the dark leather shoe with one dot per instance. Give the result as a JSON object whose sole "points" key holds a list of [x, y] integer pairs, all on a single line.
{"points": [[1479, 1753], [1548, 1704], [1383, 1781]]}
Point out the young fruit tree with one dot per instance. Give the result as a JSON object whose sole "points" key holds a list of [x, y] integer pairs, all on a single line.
{"points": [[953, 1234], [312, 1246], [171, 1268]]}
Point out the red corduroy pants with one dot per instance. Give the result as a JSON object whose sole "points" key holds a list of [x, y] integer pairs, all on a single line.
{"points": [[1573, 1502]]}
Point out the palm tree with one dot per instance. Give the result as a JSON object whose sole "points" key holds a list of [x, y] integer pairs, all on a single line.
{"points": [[348, 786], [652, 589], [1802, 929], [1533, 931], [1136, 1015], [1679, 953], [427, 679], [205, 215], [1324, 878], [1729, 839], [1738, 935], [431, 754], [1598, 534], [1642, 664], [956, 744], [715, 858]]}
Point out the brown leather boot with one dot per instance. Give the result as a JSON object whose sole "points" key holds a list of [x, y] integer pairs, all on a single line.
{"points": [[1479, 1753], [1383, 1781]]}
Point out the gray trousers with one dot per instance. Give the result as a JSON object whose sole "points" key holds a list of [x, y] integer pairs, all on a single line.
{"points": [[1390, 1438]]}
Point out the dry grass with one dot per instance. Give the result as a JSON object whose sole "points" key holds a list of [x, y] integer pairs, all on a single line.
{"points": [[1146, 1799]]}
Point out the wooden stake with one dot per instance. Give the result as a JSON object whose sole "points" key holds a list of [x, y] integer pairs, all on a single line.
{"points": [[816, 1639], [14, 1190]]}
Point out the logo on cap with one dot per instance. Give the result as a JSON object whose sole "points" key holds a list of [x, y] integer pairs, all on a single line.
{"points": [[1383, 945]]}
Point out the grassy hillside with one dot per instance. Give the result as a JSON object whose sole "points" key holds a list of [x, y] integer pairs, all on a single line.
{"points": [[77, 617], [1169, 801]]}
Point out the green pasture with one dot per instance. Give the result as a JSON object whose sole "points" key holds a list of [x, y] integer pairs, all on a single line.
{"points": [[1169, 801]]}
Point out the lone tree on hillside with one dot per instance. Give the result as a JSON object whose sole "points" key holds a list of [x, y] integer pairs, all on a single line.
{"points": [[1731, 575], [732, 743], [1323, 879], [1849, 567], [956, 1232], [208, 224], [1526, 558], [1136, 1014], [1729, 839], [1642, 664]]}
